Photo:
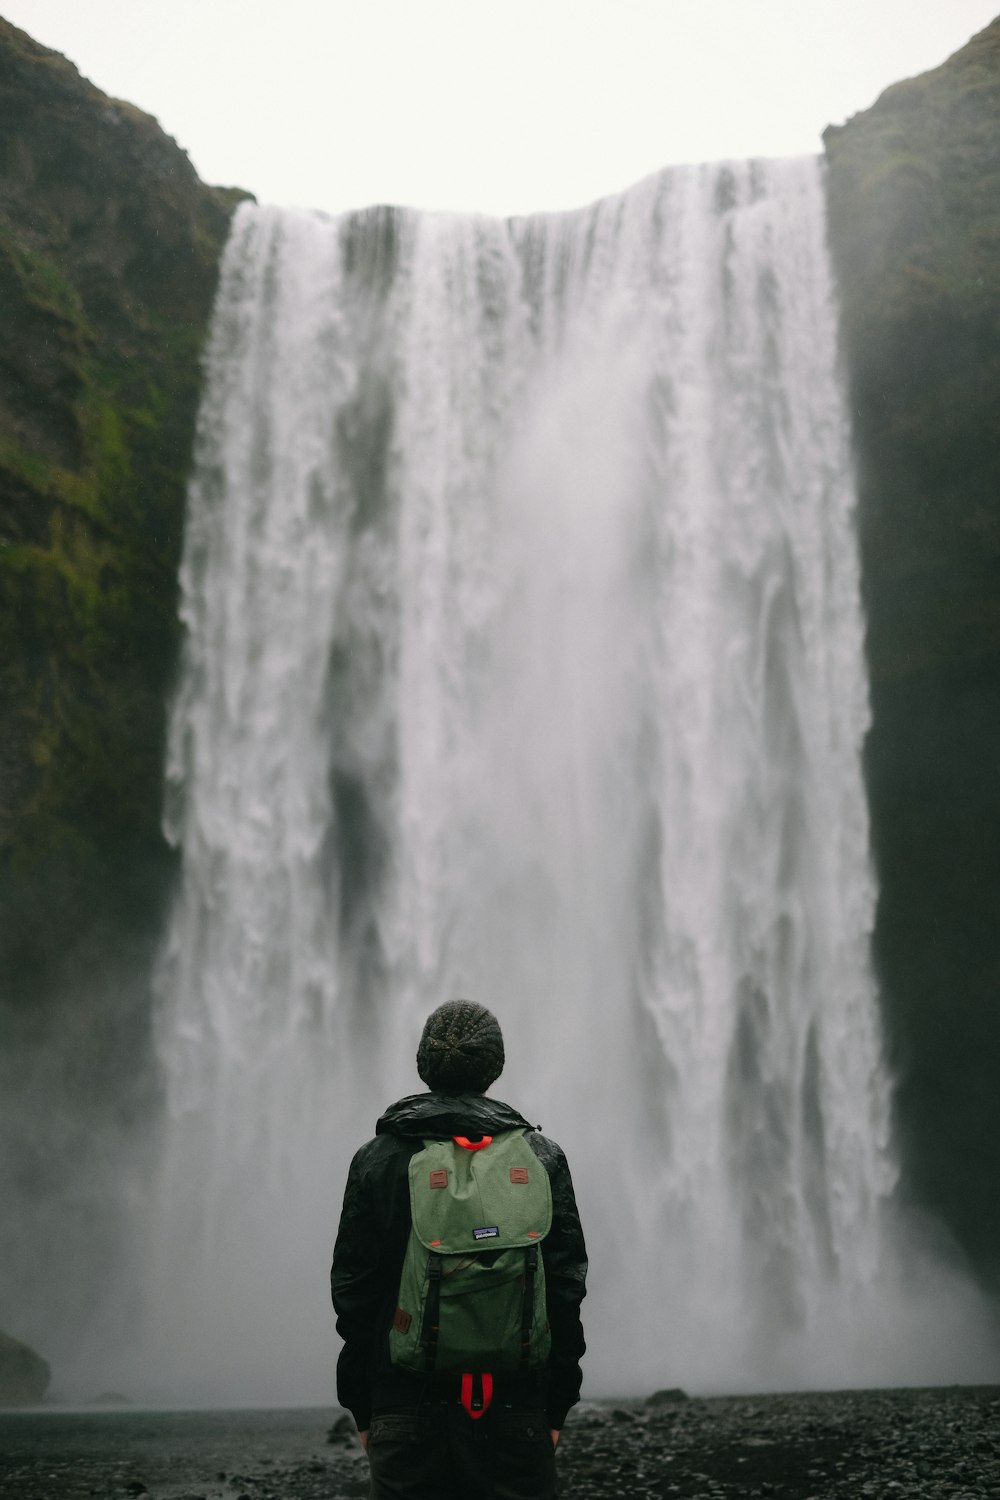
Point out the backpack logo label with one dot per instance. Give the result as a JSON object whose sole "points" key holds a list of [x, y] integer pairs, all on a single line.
{"points": [[518, 1174], [488, 1233], [439, 1178], [402, 1320]]}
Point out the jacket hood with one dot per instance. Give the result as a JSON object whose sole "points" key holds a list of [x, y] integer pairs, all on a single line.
{"points": [[437, 1117]]}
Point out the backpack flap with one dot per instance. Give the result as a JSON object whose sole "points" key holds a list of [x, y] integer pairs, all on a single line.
{"points": [[472, 1294], [492, 1199]]}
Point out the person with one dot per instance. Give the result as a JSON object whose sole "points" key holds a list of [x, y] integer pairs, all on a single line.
{"points": [[414, 1426]]}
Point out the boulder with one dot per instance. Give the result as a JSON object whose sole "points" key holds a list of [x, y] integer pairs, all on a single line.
{"points": [[672, 1397], [24, 1375]]}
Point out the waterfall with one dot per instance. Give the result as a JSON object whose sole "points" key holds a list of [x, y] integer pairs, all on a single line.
{"points": [[524, 662]]}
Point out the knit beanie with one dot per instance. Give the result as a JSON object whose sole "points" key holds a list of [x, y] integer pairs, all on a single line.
{"points": [[461, 1049]]}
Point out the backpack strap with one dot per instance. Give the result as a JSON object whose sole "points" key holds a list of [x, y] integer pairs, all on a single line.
{"points": [[432, 1311], [528, 1303]]}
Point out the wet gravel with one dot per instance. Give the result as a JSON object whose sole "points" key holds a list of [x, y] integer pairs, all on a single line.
{"points": [[859, 1445], [888, 1445]]}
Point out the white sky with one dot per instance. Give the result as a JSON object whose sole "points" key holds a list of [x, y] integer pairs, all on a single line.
{"points": [[501, 106]]}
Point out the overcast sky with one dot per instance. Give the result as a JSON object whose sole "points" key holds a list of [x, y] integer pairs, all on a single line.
{"points": [[495, 105]]}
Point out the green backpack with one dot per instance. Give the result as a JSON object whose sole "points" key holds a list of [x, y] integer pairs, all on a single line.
{"points": [[472, 1292]]}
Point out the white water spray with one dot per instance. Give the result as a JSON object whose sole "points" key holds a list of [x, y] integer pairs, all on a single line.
{"points": [[524, 662]]}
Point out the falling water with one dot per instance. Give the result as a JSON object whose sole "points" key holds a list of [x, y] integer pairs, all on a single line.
{"points": [[524, 662]]}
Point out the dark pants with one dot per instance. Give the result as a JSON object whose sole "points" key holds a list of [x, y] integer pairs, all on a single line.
{"points": [[437, 1452]]}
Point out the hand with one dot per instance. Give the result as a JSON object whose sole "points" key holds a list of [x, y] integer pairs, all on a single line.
{"points": [[364, 1439], [555, 1436]]}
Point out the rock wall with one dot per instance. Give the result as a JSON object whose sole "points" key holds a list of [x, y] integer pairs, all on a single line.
{"points": [[914, 194], [109, 246]]}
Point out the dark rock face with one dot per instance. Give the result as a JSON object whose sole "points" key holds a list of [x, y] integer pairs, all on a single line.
{"points": [[914, 188], [24, 1375], [109, 247]]}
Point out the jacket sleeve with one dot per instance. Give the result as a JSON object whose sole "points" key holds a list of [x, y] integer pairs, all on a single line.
{"points": [[564, 1254], [356, 1282]]}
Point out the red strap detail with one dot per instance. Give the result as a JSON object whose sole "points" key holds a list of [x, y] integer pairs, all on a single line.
{"points": [[486, 1382], [467, 1145]]}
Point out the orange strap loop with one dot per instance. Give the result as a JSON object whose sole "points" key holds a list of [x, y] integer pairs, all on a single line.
{"points": [[467, 1145]]}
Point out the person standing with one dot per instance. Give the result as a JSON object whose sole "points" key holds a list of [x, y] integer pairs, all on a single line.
{"points": [[434, 1431]]}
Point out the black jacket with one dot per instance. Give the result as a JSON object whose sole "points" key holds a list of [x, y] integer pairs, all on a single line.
{"points": [[371, 1245]]}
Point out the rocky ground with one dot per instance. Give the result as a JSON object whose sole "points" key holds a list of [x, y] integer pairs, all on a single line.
{"points": [[886, 1445]]}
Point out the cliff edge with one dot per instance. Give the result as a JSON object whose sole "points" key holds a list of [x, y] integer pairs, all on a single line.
{"points": [[914, 200]]}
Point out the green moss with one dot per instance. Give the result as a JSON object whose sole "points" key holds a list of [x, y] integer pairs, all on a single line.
{"points": [[44, 285], [108, 461], [29, 466]]}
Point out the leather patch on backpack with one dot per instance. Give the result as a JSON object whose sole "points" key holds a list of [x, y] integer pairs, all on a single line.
{"points": [[402, 1320], [439, 1178], [518, 1174]]}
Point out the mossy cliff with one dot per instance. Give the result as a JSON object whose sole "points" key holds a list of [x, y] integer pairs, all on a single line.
{"points": [[914, 194], [109, 247]]}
